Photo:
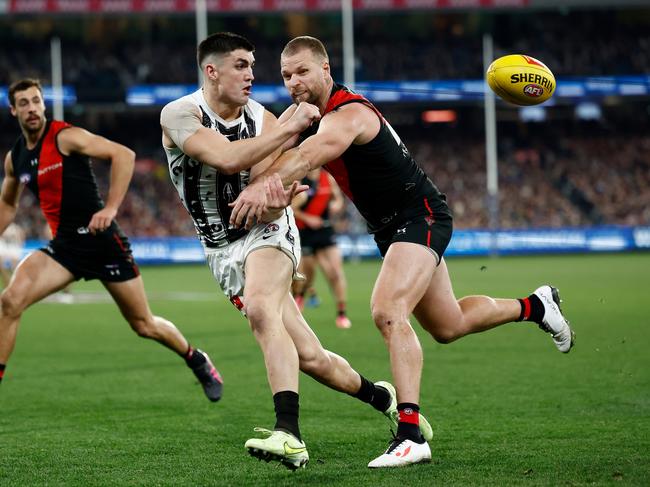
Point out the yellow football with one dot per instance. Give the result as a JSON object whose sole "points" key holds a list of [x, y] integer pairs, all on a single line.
{"points": [[521, 80]]}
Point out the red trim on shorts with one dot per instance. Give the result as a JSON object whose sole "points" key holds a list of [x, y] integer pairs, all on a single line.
{"points": [[426, 204], [526, 303], [121, 245], [409, 416], [431, 220]]}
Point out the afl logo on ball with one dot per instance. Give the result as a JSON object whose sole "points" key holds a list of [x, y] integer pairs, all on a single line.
{"points": [[533, 90]]}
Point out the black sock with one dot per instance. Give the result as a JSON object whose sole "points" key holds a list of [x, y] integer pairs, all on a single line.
{"points": [[193, 359], [2, 371], [377, 397], [286, 412], [532, 309], [405, 428]]}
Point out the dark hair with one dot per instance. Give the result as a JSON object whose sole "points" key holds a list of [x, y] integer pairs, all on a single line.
{"points": [[222, 43], [22, 85], [305, 42]]}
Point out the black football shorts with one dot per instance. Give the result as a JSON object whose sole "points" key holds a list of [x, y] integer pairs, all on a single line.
{"points": [[429, 225], [105, 256]]}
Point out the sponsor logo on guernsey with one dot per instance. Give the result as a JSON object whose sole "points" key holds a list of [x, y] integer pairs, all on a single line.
{"points": [[51, 168], [25, 178]]}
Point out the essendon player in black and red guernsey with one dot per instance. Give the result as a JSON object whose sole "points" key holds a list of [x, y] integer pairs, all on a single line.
{"points": [[317, 240], [52, 158], [412, 226]]}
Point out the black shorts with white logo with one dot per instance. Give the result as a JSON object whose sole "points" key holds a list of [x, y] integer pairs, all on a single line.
{"points": [[311, 241], [429, 223], [105, 256]]}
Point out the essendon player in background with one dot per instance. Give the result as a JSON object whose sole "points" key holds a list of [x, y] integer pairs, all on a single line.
{"points": [[319, 247], [52, 159], [412, 226]]}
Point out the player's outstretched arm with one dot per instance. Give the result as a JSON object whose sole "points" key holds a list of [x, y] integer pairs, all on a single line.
{"points": [[337, 131], [80, 141], [182, 128], [9, 196]]}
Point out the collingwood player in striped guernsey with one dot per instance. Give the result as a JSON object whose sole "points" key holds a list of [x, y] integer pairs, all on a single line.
{"points": [[217, 139]]}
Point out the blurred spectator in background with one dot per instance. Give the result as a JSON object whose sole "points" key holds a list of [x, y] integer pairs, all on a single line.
{"points": [[11, 250], [312, 210]]}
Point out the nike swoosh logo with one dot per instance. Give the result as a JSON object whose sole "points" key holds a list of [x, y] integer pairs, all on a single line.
{"points": [[293, 451], [266, 236]]}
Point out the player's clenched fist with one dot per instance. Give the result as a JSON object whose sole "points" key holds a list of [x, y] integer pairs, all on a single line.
{"points": [[305, 115]]}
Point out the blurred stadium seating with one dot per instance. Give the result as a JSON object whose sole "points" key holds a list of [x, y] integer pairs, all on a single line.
{"points": [[563, 171]]}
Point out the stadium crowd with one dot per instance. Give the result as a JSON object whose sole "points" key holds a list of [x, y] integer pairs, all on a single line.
{"points": [[103, 57], [573, 181], [569, 178]]}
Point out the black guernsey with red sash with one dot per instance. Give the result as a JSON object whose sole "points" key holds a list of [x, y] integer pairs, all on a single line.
{"points": [[381, 177], [67, 193], [64, 185]]}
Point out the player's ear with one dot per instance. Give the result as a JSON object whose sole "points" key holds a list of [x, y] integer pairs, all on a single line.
{"points": [[326, 67], [210, 72]]}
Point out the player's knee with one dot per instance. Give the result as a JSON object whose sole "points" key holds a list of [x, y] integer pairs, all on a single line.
{"points": [[387, 316], [11, 302], [259, 313]]}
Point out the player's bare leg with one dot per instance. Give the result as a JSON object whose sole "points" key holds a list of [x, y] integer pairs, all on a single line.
{"points": [[268, 279], [326, 367], [448, 319], [399, 287], [330, 260], [131, 298], [404, 277], [336, 373], [35, 278]]}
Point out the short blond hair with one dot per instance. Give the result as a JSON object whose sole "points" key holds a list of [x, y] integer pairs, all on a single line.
{"points": [[305, 42]]}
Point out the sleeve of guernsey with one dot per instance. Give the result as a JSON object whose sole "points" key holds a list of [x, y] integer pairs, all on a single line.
{"points": [[180, 119]]}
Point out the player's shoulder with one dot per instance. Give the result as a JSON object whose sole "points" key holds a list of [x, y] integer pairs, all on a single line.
{"points": [[255, 107], [179, 107]]}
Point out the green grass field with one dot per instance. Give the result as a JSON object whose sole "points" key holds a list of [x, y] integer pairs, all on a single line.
{"points": [[86, 402]]}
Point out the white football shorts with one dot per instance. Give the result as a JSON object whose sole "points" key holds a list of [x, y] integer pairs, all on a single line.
{"points": [[228, 263]]}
